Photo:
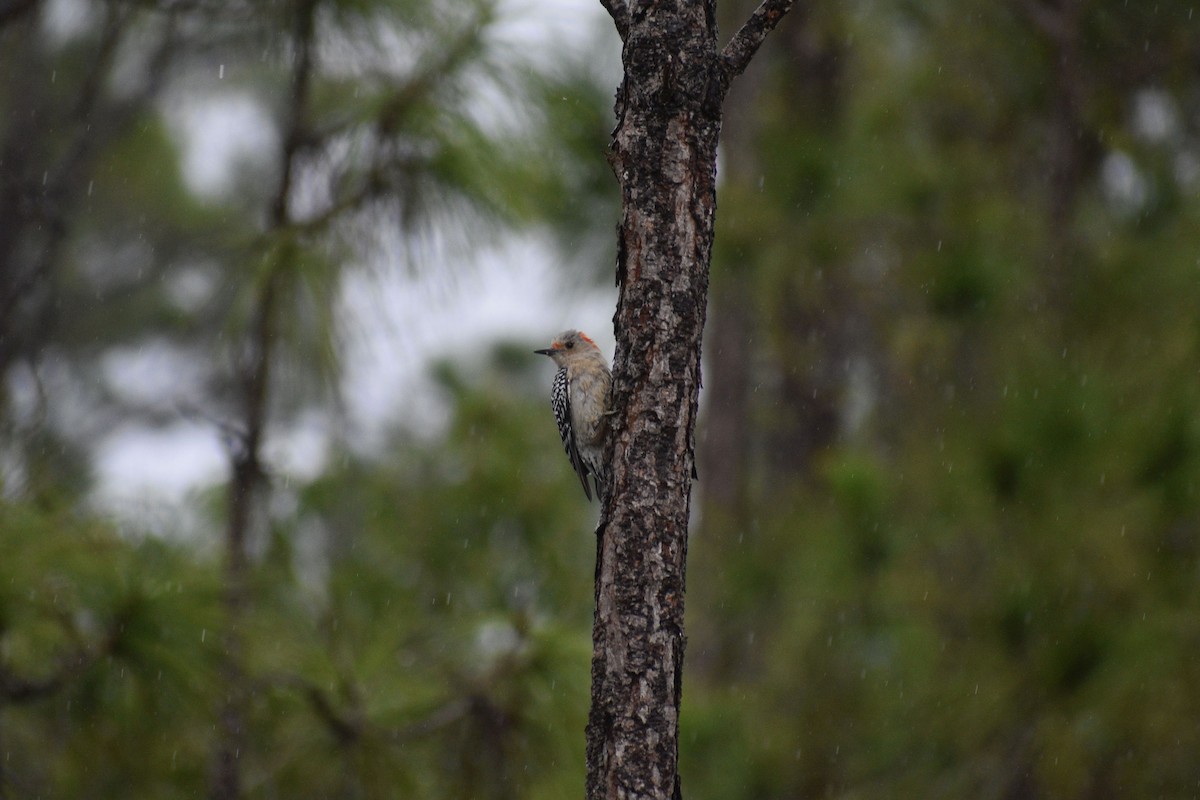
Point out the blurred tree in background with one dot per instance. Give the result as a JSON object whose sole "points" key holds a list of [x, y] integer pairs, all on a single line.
{"points": [[952, 352], [948, 539], [374, 123]]}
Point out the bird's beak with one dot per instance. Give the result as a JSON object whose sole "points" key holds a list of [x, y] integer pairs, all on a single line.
{"points": [[545, 352]]}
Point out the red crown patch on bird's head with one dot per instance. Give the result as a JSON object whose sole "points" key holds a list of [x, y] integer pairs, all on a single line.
{"points": [[567, 343]]}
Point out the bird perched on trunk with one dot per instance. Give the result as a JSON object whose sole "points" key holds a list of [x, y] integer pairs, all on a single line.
{"points": [[580, 396]]}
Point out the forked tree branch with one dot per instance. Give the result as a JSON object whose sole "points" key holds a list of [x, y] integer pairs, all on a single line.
{"points": [[745, 42]]}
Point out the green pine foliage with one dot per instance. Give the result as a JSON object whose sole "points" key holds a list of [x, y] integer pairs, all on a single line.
{"points": [[985, 588], [106, 651]]}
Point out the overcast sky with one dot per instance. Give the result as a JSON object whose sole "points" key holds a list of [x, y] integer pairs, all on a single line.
{"points": [[403, 323]]}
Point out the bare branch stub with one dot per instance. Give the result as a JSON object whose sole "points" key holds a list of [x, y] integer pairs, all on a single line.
{"points": [[745, 43]]}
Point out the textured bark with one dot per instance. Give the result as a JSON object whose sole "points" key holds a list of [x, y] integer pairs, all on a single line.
{"points": [[664, 155]]}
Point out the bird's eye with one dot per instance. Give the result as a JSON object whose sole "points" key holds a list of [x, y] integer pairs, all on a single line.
{"points": [[570, 345]]}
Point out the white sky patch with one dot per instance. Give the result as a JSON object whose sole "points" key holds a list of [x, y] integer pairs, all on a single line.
{"points": [[156, 374], [146, 467], [191, 287], [64, 20], [404, 322], [544, 30], [1124, 184], [220, 133], [302, 453], [164, 463], [1155, 117], [401, 322]]}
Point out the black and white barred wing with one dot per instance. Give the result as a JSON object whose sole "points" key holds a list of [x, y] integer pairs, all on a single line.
{"points": [[560, 401]]}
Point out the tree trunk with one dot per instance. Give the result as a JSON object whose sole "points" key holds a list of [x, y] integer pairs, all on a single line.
{"points": [[664, 153], [247, 472]]}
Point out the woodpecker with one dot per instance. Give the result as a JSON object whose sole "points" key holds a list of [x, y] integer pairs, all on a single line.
{"points": [[580, 396]]}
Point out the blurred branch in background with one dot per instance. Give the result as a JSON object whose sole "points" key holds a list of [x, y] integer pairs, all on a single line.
{"points": [[38, 207], [254, 368]]}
